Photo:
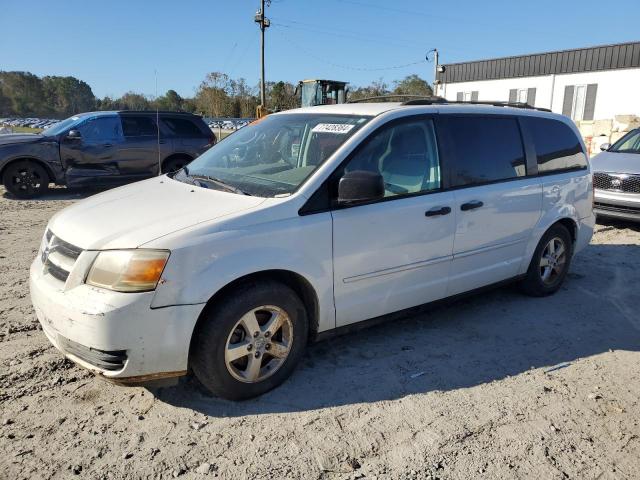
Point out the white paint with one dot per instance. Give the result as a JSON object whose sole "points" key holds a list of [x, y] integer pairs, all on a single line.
{"points": [[373, 259], [618, 92]]}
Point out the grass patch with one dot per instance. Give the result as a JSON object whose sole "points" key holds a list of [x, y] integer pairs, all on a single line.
{"points": [[25, 129]]}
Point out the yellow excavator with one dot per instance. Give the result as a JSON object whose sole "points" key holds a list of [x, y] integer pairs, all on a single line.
{"points": [[315, 92], [321, 92]]}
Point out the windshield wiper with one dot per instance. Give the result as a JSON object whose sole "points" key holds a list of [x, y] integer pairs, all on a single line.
{"points": [[219, 183]]}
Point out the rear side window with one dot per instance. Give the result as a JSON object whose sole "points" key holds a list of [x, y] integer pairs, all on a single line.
{"points": [[484, 149], [557, 146], [182, 127], [138, 126]]}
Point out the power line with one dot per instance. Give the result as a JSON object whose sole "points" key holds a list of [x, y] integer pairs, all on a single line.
{"points": [[304, 26], [350, 67]]}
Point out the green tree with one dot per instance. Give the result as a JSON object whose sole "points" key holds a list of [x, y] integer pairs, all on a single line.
{"points": [[169, 101], [25, 94], [281, 96], [212, 97], [133, 101], [377, 88], [412, 85], [66, 96]]}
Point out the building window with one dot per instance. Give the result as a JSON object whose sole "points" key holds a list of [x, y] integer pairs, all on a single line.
{"points": [[467, 96], [580, 101], [523, 95]]}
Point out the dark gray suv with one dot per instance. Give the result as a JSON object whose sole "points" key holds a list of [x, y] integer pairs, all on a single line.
{"points": [[101, 149]]}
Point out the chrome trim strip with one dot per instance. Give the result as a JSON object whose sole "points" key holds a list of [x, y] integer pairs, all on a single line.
{"points": [[401, 268], [469, 253]]}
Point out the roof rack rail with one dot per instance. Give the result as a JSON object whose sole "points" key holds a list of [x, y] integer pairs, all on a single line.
{"points": [[442, 101], [173, 112], [397, 97]]}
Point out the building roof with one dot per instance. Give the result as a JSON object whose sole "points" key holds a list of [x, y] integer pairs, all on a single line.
{"points": [[590, 59]]}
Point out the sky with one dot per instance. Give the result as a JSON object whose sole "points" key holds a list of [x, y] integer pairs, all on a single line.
{"points": [[118, 46]]}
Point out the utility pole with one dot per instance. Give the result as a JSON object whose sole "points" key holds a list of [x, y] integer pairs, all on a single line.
{"points": [[263, 23], [435, 71]]}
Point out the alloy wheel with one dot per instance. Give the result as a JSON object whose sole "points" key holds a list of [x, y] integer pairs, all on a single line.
{"points": [[259, 344], [553, 260]]}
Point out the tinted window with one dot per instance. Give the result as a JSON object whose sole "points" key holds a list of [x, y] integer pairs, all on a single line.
{"points": [[557, 147], [405, 154], [485, 149], [138, 126], [181, 127], [100, 128]]}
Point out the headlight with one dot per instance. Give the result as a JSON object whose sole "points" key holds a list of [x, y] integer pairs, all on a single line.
{"points": [[128, 270]]}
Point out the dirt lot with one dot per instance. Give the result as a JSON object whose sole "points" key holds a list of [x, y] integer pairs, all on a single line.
{"points": [[498, 385]]}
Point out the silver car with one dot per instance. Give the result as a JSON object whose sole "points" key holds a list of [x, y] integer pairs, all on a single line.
{"points": [[616, 178]]}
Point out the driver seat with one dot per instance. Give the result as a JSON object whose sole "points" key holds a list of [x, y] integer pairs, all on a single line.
{"points": [[405, 164]]}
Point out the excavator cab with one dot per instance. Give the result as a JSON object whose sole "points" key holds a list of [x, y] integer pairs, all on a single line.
{"points": [[321, 92]]}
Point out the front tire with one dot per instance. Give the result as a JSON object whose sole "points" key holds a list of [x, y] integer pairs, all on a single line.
{"points": [[174, 164], [26, 179], [251, 341], [550, 263]]}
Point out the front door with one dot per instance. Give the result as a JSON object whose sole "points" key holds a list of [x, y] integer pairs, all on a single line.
{"points": [[91, 158], [394, 253], [496, 204]]}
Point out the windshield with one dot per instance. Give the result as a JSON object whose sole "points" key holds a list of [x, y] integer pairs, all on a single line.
{"points": [[272, 156], [630, 143], [60, 127]]}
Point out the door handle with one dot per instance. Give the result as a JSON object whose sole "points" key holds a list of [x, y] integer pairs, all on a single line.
{"points": [[107, 145], [471, 205], [434, 212]]}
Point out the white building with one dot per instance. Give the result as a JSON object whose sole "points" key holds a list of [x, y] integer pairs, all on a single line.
{"points": [[585, 84]]}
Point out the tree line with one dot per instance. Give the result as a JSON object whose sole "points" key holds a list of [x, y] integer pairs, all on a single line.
{"points": [[23, 94]]}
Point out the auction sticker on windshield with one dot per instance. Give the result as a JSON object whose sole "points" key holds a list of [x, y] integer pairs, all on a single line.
{"points": [[338, 128]]}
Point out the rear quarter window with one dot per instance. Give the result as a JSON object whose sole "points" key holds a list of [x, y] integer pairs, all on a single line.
{"points": [[138, 126], [182, 127], [557, 146]]}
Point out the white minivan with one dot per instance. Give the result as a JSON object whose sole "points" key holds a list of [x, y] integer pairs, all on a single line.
{"points": [[305, 222]]}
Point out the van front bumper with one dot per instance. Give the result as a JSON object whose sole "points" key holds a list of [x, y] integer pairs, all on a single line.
{"points": [[117, 335]]}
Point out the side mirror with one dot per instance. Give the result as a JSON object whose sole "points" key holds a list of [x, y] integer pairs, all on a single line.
{"points": [[605, 146], [360, 186], [74, 135]]}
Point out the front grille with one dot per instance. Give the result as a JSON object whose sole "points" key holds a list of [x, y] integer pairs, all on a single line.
{"points": [[111, 360], [59, 256], [617, 182]]}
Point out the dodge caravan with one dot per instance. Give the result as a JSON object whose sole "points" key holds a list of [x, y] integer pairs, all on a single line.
{"points": [[305, 222]]}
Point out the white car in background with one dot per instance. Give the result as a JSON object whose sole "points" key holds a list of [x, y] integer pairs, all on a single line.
{"points": [[616, 178], [305, 222]]}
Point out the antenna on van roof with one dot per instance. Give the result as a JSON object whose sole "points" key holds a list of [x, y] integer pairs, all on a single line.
{"points": [[155, 71]]}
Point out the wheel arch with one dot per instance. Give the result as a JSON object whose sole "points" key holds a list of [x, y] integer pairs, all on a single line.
{"points": [[293, 280], [571, 225], [43, 164], [177, 155]]}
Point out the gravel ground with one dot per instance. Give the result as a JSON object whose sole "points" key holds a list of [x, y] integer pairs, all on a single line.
{"points": [[494, 386]]}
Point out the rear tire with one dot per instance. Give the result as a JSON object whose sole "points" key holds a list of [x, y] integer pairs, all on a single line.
{"points": [[26, 179], [251, 341], [550, 263]]}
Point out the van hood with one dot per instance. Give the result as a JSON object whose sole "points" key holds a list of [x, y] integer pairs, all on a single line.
{"points": [[130, 216], [613, 162]]}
